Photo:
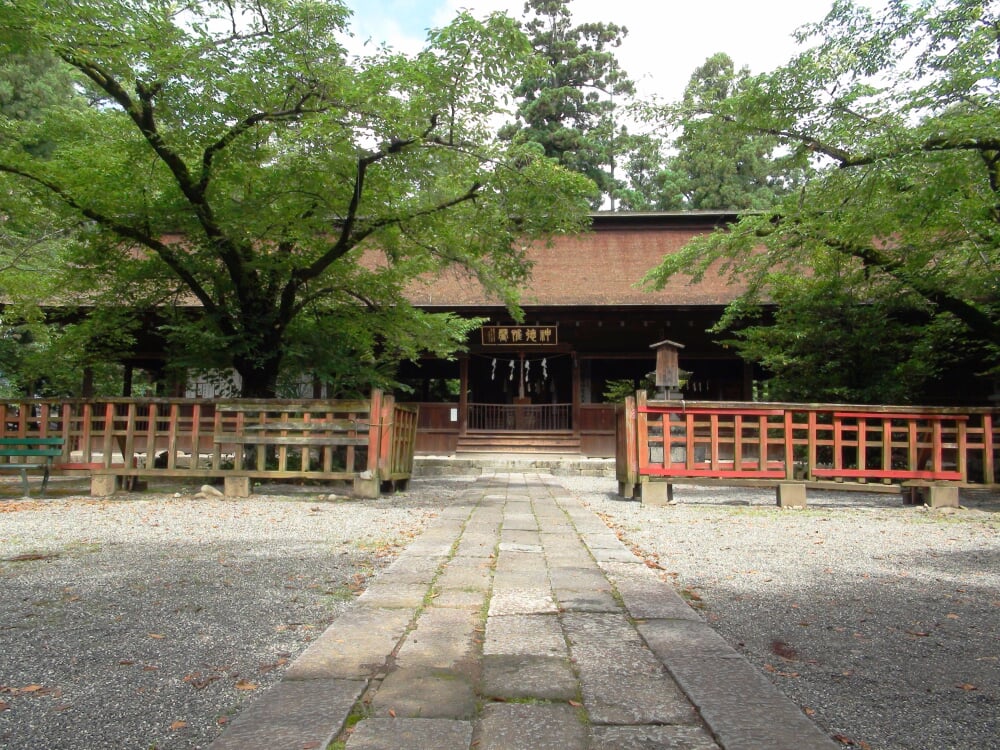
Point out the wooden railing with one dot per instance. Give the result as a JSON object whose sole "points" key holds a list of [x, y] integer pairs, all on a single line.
{"points": [[539, 417], [370, 441], [806, 442]]}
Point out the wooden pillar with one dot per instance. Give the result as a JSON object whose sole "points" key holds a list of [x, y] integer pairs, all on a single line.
{"points": [[127, 380], [463, 395], [747, 381], [87, 386], [576, 395]]}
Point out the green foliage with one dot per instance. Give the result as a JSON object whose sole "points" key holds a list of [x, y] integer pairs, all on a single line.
{"points": [[897, 116], [240, 176], [615, 391], [717, 167], [829, 342], [567, 99]]}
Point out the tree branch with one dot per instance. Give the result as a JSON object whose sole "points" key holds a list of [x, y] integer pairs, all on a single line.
{"points": [[349, 237], [980, 323], [162, 250]]}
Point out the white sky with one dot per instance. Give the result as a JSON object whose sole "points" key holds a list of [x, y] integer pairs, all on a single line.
{"points": [[667, 39]]}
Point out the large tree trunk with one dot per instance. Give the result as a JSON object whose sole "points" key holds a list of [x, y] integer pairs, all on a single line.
{"points": [[259, 376]]}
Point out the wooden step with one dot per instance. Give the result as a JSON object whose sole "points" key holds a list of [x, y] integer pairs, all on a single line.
{"points": [[512, 441]]}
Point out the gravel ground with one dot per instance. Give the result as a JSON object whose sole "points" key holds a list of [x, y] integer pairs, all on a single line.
{"points": [[145, 621], [880, 620]]}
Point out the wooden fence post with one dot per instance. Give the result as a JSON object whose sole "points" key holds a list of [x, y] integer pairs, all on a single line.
{"points": [[369, 483]]}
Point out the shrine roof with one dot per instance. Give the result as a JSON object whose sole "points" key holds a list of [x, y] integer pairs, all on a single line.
{"points": [[602, 267]]}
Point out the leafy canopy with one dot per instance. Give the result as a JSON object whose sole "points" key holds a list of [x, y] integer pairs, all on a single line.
{"points": [[268, 196], [898, 116]]}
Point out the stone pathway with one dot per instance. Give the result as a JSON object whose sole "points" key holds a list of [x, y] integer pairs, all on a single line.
{"points": [[519, 620]]}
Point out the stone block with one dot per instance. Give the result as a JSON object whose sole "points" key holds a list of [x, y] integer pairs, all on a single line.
{"points": [[657, 493], [942, 496], [103, 485], [791, 495], [236, 487]]}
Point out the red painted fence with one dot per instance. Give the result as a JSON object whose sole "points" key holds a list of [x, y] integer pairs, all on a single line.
{"points": [[806, 442]]}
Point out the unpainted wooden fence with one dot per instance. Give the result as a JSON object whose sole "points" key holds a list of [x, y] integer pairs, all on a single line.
{"points": [[367, 442]]}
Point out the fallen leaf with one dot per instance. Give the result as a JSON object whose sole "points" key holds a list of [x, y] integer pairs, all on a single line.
{"points": [[575, 704], [32, 556], [966, 686], [29, 689], [311, 745], [808, 711], [4, 706], [392, 713], [246, 685], [784, 650], [918, 633], [222, 721], [157, 635], [178, 725], [952, 616], [268, 667]]}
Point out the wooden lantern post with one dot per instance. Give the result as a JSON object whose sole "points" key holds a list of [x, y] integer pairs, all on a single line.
{"points": [[668, 371]]}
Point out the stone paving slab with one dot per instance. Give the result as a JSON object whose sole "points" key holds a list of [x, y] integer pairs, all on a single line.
{"points": [[293, 714], [538, 635], [622, 681], [530, 727], [442, 637], [644, 595], [385, 593], [583, 647], [356, 646], [743, 708], [578, 577], [476, 545], [520, 601], [651, 738], [520, 521], [411, 734], [513, 676], [427, 693], [415, 569], [460, 599], [466, 573], [573, 600]]}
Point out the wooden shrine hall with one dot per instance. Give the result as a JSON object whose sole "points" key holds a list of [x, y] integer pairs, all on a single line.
{"points": [[539, 385]]}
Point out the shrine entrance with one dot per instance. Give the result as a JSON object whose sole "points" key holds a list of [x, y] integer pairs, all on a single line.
{"points": [[521, 390]]}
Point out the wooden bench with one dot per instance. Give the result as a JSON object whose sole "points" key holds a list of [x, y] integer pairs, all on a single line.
{"points": [[27, 448]]}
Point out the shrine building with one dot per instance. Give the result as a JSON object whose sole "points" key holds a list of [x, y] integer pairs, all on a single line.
{"points": [[539, 384]]}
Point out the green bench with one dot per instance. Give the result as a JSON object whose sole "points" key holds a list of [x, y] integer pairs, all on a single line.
{"points": [[25, 449]]}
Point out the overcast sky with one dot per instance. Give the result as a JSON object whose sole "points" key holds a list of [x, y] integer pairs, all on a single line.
{"points": [[667, 39]]}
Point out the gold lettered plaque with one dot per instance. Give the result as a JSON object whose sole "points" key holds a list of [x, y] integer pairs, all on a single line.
{"points": [[520, 335]]}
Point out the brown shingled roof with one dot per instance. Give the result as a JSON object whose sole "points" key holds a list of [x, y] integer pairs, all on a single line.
{"points": [[602, 267]]}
